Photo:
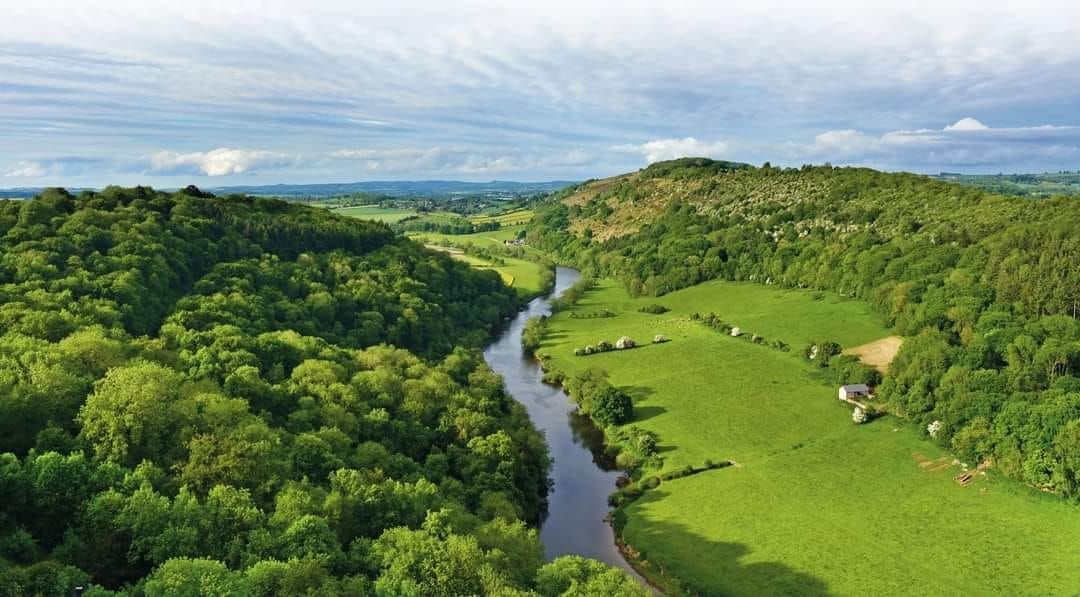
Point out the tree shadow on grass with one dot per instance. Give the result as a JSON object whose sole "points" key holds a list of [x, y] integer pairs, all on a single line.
{"points": [[716, 564], [638, 393], [644, 413]]}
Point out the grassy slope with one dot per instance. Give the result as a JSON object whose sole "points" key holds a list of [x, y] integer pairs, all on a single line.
{"points": [[522, 275], [374, 212], [516, 217], [817, 504]]}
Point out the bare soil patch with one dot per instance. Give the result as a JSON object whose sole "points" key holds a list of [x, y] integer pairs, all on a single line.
{"points": [[879, 353]]}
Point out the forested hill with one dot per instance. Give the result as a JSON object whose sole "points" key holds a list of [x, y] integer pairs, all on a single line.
{"points": [[986, 287], [203, 395]]}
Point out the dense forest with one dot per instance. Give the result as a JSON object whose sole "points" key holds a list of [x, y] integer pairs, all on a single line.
{"points": [[985, 287], [208, 395]]}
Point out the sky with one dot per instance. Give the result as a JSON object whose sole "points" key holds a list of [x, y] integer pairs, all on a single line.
{"points": [[256, 92]]}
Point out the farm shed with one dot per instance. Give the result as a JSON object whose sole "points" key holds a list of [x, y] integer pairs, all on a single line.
{"points": [[854, 391]]}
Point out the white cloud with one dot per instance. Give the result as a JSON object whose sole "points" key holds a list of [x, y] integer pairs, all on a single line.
{"points": [[218, 162], [304, 77], [25, 169], [429, 160], [967, 124], [966, 143], [666, 149]]}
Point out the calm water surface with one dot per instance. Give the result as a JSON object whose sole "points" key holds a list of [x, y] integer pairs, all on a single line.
{"points": [[577, 503]]}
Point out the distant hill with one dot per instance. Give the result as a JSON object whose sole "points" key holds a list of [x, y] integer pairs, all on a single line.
{"points": [[1021, 185], [432, 189], [400, 188]]}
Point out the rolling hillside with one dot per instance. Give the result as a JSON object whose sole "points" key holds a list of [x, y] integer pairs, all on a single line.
{"points": [[984, 287]]}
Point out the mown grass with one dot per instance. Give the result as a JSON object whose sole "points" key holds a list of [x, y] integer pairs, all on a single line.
{"points": [[374, 212], [815, 504]]}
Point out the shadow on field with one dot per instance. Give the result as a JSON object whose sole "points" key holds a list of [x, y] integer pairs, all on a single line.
{"points": [[644, 413], [638, 393], [641, 412], [716, 566]]}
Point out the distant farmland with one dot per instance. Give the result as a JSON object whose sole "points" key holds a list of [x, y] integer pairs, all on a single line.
{"points": [[374, 212]]}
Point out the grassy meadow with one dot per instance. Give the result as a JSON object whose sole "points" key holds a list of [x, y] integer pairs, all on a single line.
{"points": [[520, 274], [374, 212], [815, 504], [517, 217]]}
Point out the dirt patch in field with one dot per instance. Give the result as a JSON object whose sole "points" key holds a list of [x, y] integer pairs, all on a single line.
{"points": [[879, 353], [450, 250]]}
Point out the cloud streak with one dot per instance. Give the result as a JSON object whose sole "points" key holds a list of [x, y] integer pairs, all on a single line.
{"points": [[667, 149], [222, 161], [563, 89], [966, 143]]}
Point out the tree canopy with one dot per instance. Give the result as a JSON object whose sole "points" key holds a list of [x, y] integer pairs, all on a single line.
{"points": [[225, 395]]}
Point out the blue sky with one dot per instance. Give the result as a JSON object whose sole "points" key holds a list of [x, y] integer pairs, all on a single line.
{"points": [[245, 91]]}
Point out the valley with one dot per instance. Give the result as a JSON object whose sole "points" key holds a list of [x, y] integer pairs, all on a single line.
{"points": [[815, 503]]}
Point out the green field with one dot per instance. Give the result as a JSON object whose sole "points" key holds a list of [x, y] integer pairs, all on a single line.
{"points": [[374, 212], [517, 217], [482, 239], [520, 274], [816, 504]]}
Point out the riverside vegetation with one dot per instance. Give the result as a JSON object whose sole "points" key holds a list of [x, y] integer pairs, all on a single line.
{"points": [[227, 395]]}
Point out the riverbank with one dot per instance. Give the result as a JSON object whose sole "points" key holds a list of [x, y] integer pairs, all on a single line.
{"points": [[811, 488], [576, 519]]}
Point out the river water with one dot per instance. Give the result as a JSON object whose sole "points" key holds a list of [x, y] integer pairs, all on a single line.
{"points": [[577, 503]]}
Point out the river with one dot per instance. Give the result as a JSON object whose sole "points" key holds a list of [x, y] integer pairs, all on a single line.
{"points": [[582, 480]]}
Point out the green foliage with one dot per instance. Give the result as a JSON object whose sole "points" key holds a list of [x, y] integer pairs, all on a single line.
{"points": [[575, 576], [654, 308], [606, 404], [801, 461], [985, 286], [611, 406], [234, 396], [531, 336]]}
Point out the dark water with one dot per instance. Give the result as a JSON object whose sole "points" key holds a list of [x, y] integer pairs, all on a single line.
{"points": [[577, 503]]}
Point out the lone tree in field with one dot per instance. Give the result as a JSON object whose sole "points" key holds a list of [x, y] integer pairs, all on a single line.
{"points": [[859, 416]]}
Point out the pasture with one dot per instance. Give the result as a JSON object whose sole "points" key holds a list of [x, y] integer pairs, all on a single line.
{"points": [[517, 217], [374, 212], [519, 274], [815, 505]]}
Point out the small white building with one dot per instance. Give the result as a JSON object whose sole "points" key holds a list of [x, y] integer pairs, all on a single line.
{"points": [[854, 391]]}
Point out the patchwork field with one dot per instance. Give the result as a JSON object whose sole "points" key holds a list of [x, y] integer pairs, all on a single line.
{"points": [[518, 217], [374, 212], [481, 239], [816, 504], [520, 274]]}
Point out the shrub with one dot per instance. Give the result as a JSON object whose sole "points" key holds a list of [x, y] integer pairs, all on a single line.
{"points": [[659, 339], [627, 461], [650, 482], [611, 406], [654, 308], [646, 444], [625, 342], [589, 350], [603, 346]]}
